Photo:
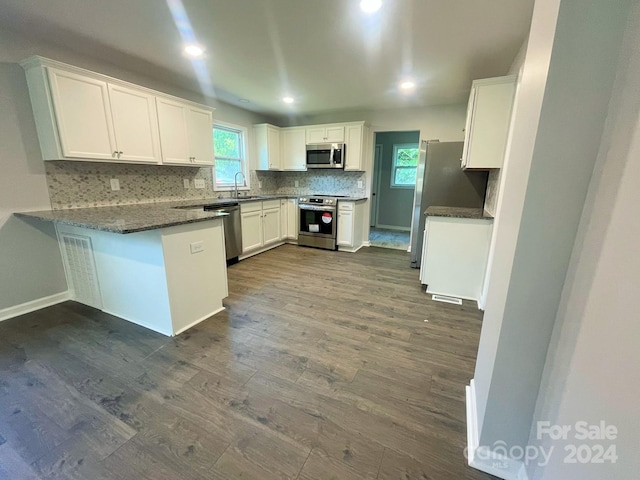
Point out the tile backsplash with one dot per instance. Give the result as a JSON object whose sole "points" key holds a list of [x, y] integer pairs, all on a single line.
{"points": [[493, 187], [87, 184]]}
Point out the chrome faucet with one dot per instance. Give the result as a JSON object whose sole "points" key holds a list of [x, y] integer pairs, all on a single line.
{"points": [[235, 181]]}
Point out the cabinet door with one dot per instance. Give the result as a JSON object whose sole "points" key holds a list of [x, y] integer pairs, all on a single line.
{"points": [[345, 228], [135, 123], [489, 124], [292, 218], [200, 128], [251, 230], [271, 225], [334, 134], [174, 138], [294, 152], [354, 144], [83, 115], [316, 135], [273, 145], [284, 233]]}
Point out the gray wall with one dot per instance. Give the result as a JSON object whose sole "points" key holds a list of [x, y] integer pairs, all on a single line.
{"points": [[557, 163], [591, 370], [395, 205], [30, 263]]}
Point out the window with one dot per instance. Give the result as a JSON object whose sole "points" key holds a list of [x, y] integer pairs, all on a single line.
{"points": [[405, 164], [230, 154]]}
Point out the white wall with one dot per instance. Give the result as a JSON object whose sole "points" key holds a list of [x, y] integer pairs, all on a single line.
{"points": [[30, 264], [591, 369], [559, 119]]}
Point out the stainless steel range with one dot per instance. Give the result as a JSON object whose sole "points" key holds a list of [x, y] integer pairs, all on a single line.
{"points": [[318, 221]]}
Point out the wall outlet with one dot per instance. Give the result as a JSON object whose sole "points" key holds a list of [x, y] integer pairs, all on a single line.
{"points": [[360, 184], [296, 183], [197, 247], [185, 182], [199, 182], [115, 184]]}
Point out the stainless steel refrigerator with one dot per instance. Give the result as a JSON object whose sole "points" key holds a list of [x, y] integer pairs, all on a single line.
{"points": [[441, 182]]}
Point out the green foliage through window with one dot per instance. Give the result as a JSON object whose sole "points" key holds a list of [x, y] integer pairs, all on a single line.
{"points": [[405, 164], [228, 144]]}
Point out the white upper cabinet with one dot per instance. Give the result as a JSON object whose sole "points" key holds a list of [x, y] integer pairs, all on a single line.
{"points": [[82, 115], [186, 133], [294, 151], [135, 124], [357, 141], [325, 134], [267, 144], [174, 137], [488, 119], [200, 129]]}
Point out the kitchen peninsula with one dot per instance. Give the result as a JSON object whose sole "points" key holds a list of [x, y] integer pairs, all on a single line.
{"points": [[161, 266]]}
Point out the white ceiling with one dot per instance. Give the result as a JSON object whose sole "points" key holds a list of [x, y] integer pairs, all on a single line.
{"points": [[325, 53]]}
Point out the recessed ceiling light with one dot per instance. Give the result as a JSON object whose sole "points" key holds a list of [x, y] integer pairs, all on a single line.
{"points": [[194, 50], [407, 85], [288, 99], [370, 6], [243, 100]]}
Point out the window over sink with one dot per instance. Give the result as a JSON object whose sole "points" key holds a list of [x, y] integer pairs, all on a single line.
{"points": [[405, 165], [229, 143]]}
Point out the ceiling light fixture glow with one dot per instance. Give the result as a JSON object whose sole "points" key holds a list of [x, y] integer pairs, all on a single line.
{"points": [[288, 100], [407, 85], [194, 50], [370, 6]]}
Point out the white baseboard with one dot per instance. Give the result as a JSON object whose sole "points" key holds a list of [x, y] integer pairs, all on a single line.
{"points": [[259, 250], [487, 461], [33, 305], [366, 244], [178, 332]]}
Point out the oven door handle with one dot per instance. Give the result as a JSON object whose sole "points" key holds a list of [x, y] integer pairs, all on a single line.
{"points": [[317, 208]]}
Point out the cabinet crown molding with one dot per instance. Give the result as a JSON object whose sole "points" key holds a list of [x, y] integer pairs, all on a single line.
{"points": [[36, 61]]}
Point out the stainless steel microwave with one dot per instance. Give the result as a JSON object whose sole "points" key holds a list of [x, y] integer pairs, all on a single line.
{"points": [[326, 155]]}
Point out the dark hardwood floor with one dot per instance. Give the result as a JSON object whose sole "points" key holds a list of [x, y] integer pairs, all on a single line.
{"points": [[322, 367]]}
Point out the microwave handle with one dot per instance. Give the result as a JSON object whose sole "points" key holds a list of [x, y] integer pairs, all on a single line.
{"points": [[331, 159]]}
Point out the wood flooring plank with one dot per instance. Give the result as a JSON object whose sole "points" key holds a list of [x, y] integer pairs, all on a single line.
{"points": [[290, 381]]}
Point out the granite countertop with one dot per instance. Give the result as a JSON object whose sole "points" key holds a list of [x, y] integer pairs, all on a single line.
{"points": [[351, 199], [144, 216], [457, 212]]}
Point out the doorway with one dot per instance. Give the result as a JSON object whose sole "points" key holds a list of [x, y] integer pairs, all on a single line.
{"points": [[393, 187]]}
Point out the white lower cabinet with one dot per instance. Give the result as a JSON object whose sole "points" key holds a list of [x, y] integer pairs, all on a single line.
{"points": [[289, 219], [454, 257], [251, 230], [261, 226], [350, 225], [270, 225], [167, 290]]}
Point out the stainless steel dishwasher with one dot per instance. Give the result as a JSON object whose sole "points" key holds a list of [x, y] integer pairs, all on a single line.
{"points": [[232, 229]]}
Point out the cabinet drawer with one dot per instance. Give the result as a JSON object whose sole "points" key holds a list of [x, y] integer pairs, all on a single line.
{"points": [[345, 206], [247, 207], [270, 204]]}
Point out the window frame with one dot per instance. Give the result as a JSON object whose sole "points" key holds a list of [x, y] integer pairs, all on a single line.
{"points": [[394, 167], [244, 153]]}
